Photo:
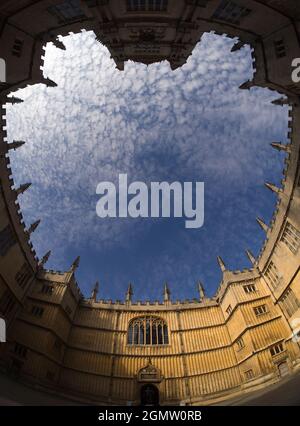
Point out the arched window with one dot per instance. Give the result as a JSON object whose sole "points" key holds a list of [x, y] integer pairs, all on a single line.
{"points": [[147, 331]]}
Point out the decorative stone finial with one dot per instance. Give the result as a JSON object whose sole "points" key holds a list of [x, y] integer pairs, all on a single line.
{"points": [[201, 291], [262, 224], [281, 101], [22, 188], [221, 263], [167, 293], [250, 257], [15, 145], [129, 293], [33, 227], [273, 188], [95, 291], [48, 82], [280, 146], [237, 46], [13, 100], [247, 85], [45, 259], [75, 264], [59, 44]]}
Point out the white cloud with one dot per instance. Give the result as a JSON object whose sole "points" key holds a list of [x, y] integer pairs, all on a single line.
{"points": [[100, 122]]}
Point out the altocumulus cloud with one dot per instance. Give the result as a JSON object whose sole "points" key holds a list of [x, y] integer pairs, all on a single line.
{"points": [[153, 124]]}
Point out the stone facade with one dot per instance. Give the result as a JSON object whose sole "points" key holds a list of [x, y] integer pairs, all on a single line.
{"points": [[242, 338]]}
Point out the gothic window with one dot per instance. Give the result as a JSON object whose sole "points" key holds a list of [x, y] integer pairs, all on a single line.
{"points": [[280, 49], [47, 289], [240, 343], [17, 47], [20, 350], [37, 311], [260, 310], [147, 5], [7, 303], [50, 376], [23, 275], [147, 331], [249, 374], [276, 349], [230, 12], [67, 11], [229, 310], [291, 237], [273, 275], [68, 310], [7, 240], [249, 288], [289, 302]]}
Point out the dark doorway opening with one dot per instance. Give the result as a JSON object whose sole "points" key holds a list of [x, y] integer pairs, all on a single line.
{"points": [[15, 368], [149, 395]]}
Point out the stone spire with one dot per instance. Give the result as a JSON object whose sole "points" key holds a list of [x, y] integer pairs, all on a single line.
{"points": [[22, 188], [201, 291], [33, 227], [273, 188], [48, 82], [237, 46], [281, 101], [250, 257], [167, 293], [221, 263], [13, 100], [95, 291], [280, 146], [70, 273], [75, 264], [45, 259], [15, 145], [129, 293], [247, 85], [59, 44], [262, 224]]}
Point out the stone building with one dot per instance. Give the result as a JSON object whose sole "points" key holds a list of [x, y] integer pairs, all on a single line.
{"points": [[192, 352]]}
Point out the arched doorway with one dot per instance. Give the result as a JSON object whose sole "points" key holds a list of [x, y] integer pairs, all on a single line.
{"points": [[283, 369], [149, 395]]}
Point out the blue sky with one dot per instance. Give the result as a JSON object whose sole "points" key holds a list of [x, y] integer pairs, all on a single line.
{"points": [[153, 124]]}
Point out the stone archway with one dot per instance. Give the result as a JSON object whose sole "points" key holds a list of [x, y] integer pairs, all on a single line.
{"points": [[149, 395], [283, 369]]}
